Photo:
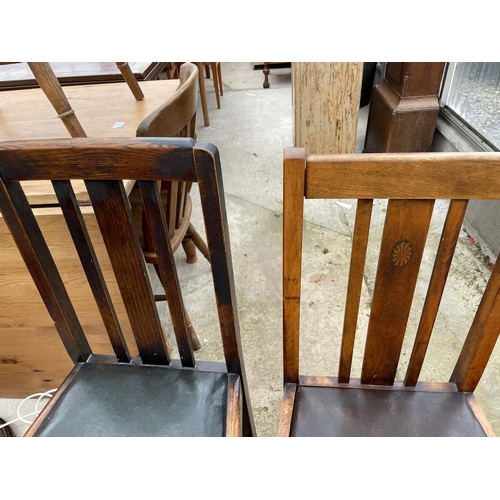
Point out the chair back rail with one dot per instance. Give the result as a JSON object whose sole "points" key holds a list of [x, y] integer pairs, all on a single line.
{"points": [[411, 183]]}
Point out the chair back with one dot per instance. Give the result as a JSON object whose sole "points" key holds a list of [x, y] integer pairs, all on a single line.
{"points": [[102, 164], [176, 118], [411, 183]]}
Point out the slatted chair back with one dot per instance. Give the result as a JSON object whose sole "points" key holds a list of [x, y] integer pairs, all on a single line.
{"points": [[411, 183], [102, 164]]}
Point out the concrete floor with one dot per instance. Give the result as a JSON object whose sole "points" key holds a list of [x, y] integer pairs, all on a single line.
{"points": [[251, 129]]}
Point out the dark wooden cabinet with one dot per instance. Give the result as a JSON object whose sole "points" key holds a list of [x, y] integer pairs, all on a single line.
{"points": [[404, 108]]}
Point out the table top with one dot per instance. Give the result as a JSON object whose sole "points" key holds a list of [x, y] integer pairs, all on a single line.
{"points": [[19, 75], [103, 110]]}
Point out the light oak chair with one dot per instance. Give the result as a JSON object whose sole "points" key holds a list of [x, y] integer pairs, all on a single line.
{"points": [[122, 395], [377, 404], [173, 72], [176, 118]]}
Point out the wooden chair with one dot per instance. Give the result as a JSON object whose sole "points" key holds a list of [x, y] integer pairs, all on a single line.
{"points": [[173, 72], [176, 118], [376, 404], [121, 395]]}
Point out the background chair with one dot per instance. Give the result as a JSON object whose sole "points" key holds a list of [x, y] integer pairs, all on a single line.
{"points": [[376, 404], [173, 72], [176, 118], [120, 395]]}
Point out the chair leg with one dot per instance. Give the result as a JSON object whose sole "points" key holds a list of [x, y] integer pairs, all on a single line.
{"points": [[190, 250], [219, 74], [131, 80], [216, 83], [203, 94], [195, 237], [207, 70], [46, 78]]}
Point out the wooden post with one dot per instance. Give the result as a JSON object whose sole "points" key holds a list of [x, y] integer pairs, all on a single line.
{"points": [[326, 99], [404, 108]]}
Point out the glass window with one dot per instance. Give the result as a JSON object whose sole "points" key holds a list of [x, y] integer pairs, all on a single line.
{"points": [[474, 96]]}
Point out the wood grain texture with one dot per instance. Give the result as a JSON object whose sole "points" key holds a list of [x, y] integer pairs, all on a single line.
{"points": [[399, 176], [90, 264], [234, 419], [209, 178], [449, 237], [17, 76], [406, 227], [481, 338], [286, 412], [51, 87], [480, 415], [356, 383], [129, 77], [158, 230], [28, 114], [26, 328], [293, 208], [52, 401], [146, 159], [33, 248], [326, 99], [356, 276], [115, 220]]}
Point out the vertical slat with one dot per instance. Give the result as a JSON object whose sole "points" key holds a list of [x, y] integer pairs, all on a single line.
{"points": [[35, 253], [449, 237], [83, 245], [172, 193], [181, 201], [481, 338], [293, 207], [155, 217], [403, 241], [113, 214], [209, 175], [356, 274]]}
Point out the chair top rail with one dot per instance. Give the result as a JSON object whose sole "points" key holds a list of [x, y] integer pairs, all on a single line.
{"points": [[404, 176], [99, 158]]}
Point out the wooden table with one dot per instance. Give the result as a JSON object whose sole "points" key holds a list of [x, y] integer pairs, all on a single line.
{"points": [[19, 76], [26, 328]]}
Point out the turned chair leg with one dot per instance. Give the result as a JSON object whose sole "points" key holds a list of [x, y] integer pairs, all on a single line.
{"points": [[192, 236], [190, 250], [215, 74]]}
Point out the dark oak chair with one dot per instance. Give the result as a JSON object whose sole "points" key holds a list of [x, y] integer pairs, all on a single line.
{"points": [[121, 395], [376, 404]]}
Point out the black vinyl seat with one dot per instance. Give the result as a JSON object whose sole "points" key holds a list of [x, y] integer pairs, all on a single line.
{"points": [[126, 400]]}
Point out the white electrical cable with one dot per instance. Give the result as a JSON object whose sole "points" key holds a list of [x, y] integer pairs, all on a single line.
{"points": [[40, 395]]}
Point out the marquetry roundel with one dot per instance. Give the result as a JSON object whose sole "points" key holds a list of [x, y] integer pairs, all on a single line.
{"points": [[401, 254]]}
